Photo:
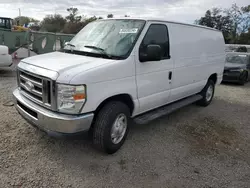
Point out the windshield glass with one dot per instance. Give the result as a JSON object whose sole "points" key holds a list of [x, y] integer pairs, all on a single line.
{"points": [[109, 37], [239, 59]]}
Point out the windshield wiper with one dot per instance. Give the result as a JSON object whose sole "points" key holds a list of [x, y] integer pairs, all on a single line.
{"points": [[71, 45], [99, 49]]}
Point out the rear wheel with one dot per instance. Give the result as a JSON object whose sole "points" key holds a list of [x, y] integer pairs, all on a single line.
{"points": [[111, 127], [207, 94]]}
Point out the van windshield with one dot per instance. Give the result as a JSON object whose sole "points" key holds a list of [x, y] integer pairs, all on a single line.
{"points": [[111, 38]]}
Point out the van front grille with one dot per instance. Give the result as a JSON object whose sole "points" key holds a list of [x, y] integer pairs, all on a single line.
{"points": [[36, 88]]}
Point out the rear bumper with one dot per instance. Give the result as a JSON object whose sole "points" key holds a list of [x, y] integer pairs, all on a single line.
{"points": [[51, 122]]}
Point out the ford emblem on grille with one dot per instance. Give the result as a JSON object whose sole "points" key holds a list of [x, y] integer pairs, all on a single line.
{"points": [[29, 86]]}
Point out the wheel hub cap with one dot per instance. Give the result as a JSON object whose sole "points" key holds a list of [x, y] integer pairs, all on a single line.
{"points": [[119, 128], [209, 93]]}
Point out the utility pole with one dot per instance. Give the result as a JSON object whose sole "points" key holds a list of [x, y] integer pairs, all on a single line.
{"points": [[19, 12]]}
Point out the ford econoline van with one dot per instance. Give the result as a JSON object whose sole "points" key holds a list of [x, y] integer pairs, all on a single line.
{"points": [[118, 70]]}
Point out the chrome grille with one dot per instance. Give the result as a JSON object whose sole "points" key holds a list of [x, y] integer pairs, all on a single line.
{"points": [[36, 88]]}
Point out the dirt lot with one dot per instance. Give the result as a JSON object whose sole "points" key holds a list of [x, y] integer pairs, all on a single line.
{"points": [[193, 147]]}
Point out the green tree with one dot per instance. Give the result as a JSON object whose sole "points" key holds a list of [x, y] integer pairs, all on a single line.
{"points": [[110, 16], [74, 22], [246, 18], [240, 18], [73, 27], [235, 15], [207, 20], [91, 19], [244, 38], [234, 22], [72, 17], [53, 23], [213, 18]]}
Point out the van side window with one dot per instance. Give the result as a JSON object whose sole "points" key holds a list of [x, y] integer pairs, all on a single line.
{"points": [[156, 34]]}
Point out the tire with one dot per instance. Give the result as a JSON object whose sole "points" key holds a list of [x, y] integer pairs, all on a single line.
{"points": [[243, 78], [104, 126], [205, 101]]}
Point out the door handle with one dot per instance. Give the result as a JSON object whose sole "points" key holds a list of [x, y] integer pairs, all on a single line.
{"points": [[170, 75]]}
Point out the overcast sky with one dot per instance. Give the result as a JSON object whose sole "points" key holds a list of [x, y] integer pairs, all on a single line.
{"points": [[179, 10]]}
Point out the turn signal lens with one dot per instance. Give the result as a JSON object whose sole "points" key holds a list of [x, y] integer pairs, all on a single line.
{"points": [[79, 96]]}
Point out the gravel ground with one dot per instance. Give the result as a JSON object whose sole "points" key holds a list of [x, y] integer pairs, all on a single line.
{"points": [[193, 147]]}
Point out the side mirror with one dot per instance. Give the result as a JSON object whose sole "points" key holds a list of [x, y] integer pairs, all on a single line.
{"points": [[153, 53]]}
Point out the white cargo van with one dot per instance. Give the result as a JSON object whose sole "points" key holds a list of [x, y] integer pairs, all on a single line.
{"points": [[117, 70]]}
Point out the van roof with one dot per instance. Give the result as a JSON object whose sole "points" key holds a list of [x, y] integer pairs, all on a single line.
{"points": [[162, 20]]}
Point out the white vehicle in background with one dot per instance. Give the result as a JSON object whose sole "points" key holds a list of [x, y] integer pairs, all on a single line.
{"points": [[117, 70], [5, 58]]}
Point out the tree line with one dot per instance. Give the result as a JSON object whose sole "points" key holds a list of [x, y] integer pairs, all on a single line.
{"points": [[234, 22], [56, 23]]}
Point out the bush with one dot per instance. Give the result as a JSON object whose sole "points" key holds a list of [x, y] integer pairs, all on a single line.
{"points": [[53, 23], [73, 28]]}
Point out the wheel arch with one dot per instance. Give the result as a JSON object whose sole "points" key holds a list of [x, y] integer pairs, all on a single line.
{"points": [[124, 97], [213, 77]]}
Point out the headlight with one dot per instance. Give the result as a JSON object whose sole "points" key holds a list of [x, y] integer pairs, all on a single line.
{"points": [[236, 70], [70, 99]]}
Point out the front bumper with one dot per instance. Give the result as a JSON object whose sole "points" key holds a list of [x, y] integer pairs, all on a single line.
{"points": [[51, 122], [231, 76]]}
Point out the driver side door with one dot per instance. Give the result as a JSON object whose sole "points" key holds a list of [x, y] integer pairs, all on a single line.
{"points": [[154, 78]]}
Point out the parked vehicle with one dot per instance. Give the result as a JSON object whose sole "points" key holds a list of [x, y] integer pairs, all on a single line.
{"points": [[237, 48], [117, 70], [237, 67], [5, 58], [6, 23]]}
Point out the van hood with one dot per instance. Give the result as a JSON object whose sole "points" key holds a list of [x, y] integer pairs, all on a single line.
{"points": [[62, 62]]}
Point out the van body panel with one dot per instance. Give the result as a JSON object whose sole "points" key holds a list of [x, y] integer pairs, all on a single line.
{"points": [[198, 53]]}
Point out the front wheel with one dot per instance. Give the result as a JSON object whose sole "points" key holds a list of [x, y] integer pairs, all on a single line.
{"points": [[243, 78], [111, 127], [207, 93]]}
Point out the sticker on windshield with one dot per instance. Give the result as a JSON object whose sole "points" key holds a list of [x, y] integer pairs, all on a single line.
{"points": [[133, 30]]}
